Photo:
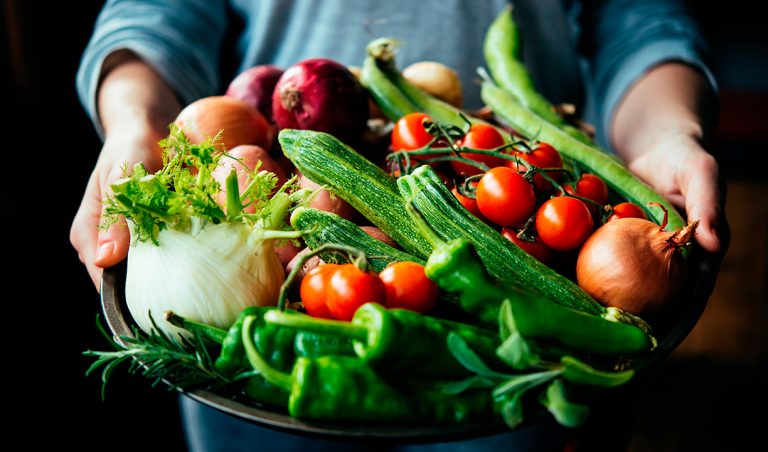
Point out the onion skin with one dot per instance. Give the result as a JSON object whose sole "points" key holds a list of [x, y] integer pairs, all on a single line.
{"points": [[326, 201], [322, 95], [239, 122], [255, 86], [632, 264], [437, 79]]}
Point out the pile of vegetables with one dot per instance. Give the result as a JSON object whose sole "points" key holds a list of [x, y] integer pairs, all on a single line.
{"points": [[502, 262]]}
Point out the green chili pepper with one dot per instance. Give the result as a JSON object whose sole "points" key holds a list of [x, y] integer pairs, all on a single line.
{"points": [[346, 388], [455, 266], [398, 340]]}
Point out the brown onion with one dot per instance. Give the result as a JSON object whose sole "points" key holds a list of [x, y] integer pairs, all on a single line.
{"points": [[239, 122], [633, 264], [437, 79]]}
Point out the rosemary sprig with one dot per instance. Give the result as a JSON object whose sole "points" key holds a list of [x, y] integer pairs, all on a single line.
{"points": [[183, 363]]}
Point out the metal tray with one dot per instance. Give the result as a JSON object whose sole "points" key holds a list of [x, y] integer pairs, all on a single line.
{"points": [[679, 322]]}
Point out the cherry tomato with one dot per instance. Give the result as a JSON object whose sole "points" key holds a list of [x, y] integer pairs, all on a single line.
{"points": [[626, 210], [591, 187], [349, 288], [543, 156], [408, 287], [314, 290], [564, 223], [409, 132], [505, 197], [537, 248], [468, 203], [480, 136]]}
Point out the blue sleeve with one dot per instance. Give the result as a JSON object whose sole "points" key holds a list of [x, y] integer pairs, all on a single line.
{"points": [[624, 39], [180, 39]]}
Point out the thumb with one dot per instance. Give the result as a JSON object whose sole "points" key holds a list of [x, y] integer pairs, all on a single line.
{"points": [[112, 245]]}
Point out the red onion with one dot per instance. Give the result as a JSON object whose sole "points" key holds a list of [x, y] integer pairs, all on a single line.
{"points": [[320, 94], [255, 86], [633, 264]]}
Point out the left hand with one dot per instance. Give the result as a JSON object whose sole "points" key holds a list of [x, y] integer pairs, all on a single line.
{"points": [[682, 171]]}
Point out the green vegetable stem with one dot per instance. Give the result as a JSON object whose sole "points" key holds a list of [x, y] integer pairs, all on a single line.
{"points": [[347, 389], [397, 340]]}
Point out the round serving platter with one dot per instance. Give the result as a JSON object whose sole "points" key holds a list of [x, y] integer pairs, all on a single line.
{"points": [[679, 321]]}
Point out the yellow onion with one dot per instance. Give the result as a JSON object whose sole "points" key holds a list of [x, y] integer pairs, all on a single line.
{"points": [[633, 264], [437, 79], [239, 122]]}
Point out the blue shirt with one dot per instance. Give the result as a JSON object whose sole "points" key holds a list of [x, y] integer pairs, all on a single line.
{"points": [[188, 42]]}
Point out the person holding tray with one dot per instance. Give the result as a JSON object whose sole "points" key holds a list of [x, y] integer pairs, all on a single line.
{"points": [[634, 68]]}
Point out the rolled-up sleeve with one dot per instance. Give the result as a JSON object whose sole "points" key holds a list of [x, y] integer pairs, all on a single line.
{"points": [[624, 39], [180, 39]]}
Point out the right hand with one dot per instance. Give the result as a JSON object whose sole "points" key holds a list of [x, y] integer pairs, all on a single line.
{"points": [[99, 249]]}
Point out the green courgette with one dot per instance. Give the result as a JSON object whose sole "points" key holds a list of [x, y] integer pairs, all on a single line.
{"points": [[502, 258], [324, 227], [344, 172]]}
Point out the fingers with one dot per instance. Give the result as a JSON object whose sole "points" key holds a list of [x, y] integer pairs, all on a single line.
{"points": [[84, 231], [699, 186]]}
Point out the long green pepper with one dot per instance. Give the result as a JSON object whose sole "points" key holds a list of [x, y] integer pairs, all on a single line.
{"points": [[347, 389], [399, 341], [455, 266]]}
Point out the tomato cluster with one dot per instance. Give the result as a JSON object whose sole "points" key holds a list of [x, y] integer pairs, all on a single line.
{"points": [[517, 194], [334, 291]]}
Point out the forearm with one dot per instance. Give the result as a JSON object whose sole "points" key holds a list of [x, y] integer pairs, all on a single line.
{"points": [[134, 99], [672, 101]]}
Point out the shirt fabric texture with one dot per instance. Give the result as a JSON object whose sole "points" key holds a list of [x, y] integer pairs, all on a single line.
{"points": [[198, 46]]}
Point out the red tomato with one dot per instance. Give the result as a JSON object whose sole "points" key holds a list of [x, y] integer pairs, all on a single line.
{"points": [[409, 132], [349, 288], [537, 248], [591, 187], [564, 223], [505, 197], [626, 210], [543, 156], [480, 136], [468, 203], [408, 287], [314, 290]]}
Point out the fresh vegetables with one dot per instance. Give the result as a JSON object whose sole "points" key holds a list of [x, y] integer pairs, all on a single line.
{"points": [[323, 227], [564, 223], [505, 197], [503, 259], [542, 155], [191, 255], [255, 86], [436, 79], [244, 160], [320, 94], [633, 264], [349, 175], [615, 174], [479, 136], [408, 287], [398, 340], [626, 210], [410, 133], [205, 118]]}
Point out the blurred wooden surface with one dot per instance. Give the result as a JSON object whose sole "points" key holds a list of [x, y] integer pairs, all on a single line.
{"points": [[711, 393]]}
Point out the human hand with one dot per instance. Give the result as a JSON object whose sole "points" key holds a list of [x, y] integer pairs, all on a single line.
{"points": [[682, 171], [99, 249]]}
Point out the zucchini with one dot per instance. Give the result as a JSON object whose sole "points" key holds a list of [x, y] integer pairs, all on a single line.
{"points": [[393, 103], [609, 168], [327, 161], [321, 227], [502, 258]]}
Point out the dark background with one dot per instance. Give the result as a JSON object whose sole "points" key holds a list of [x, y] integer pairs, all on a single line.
{"points": [[49, 148]]}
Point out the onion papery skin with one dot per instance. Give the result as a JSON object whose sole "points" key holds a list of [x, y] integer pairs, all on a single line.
{"points": [[238, 122], [322, 95], [631, 264], [208, 274]]}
